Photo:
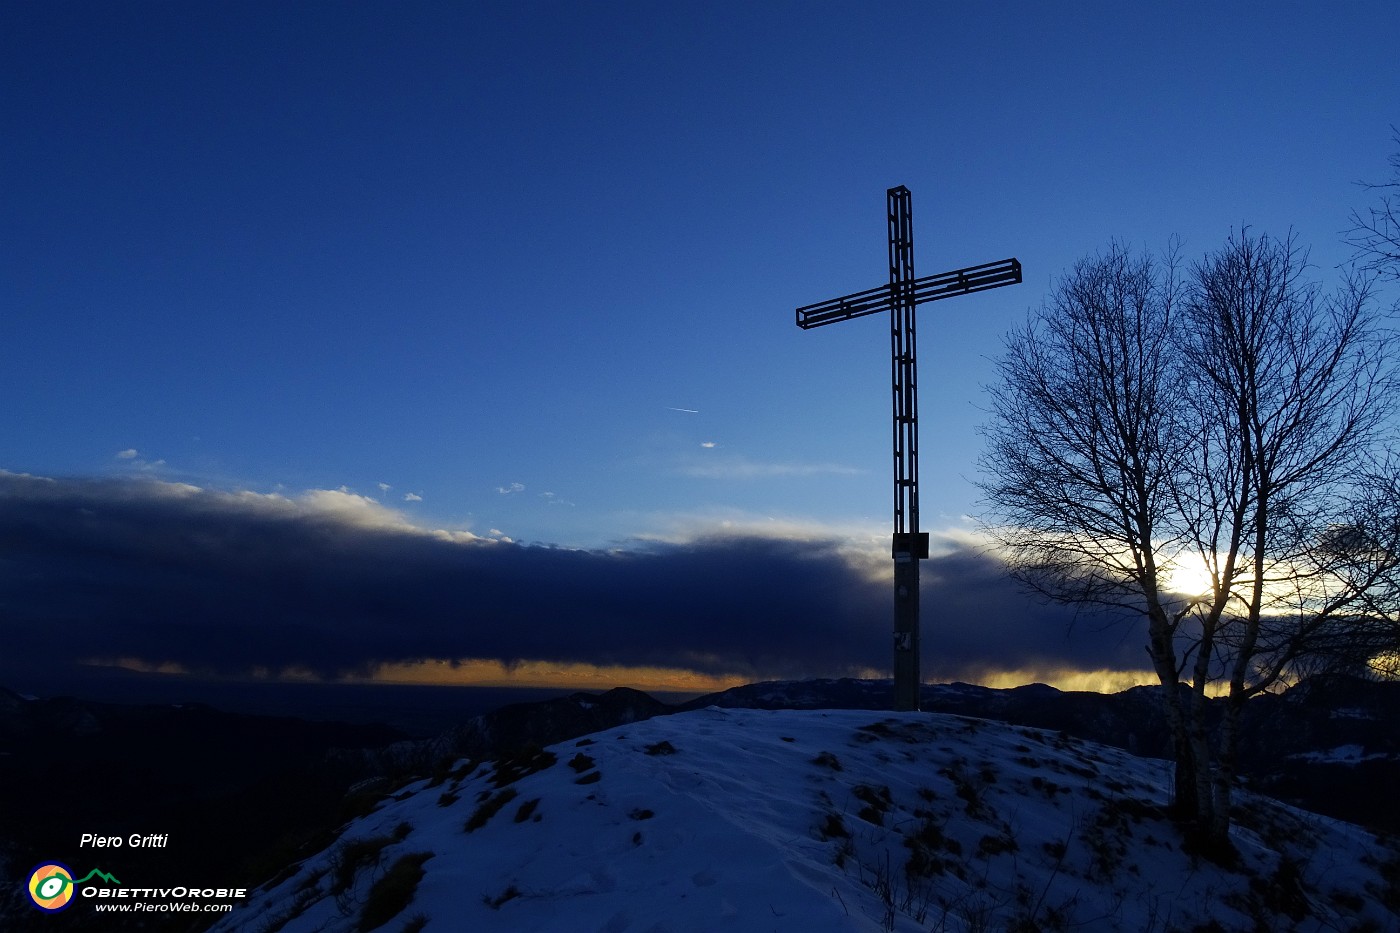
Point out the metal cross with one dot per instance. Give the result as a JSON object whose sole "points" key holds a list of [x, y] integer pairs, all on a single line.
{"points": [[909, 545]]}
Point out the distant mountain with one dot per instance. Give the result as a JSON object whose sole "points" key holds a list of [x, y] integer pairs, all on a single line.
{"points": [[510, 728], [820, 820], [543, 723], [1331, 745]]}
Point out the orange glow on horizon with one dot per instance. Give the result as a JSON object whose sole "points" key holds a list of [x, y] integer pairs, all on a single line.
{"points": [[1100, 681], [477, 672], [480, 672], [471, 672]]}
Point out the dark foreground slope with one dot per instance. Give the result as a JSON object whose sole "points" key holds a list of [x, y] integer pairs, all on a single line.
{"points": [[821, 820], [241, 796]]}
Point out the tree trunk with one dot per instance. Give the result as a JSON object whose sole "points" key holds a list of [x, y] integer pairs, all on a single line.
{"points": [[1185, 800], [1225, 770], [1206, 804]]}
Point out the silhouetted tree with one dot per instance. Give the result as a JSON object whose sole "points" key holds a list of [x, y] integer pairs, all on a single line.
{"points": [[1375, 232], [1289, 391], [1082, 451], [1228, 419]]}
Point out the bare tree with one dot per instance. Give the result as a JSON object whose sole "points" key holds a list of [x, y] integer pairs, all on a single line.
{"points": [[1082, 451], [1289, 390], [1375, 232], [1231, 421]]}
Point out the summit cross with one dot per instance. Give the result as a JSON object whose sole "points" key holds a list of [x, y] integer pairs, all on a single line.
{"points": [[904, 292]]}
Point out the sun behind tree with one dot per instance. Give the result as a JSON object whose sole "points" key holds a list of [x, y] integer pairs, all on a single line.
{"points": [[1205, 451]]}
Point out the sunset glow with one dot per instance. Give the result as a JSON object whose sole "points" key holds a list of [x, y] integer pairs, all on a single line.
{"points": [[595, 678]]}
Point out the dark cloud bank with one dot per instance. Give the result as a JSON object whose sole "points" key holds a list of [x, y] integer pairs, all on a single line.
{"points": [[228, 583]]}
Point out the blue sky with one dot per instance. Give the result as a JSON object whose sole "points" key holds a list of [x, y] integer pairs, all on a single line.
{"points": [[460, 248], [469, 260]]}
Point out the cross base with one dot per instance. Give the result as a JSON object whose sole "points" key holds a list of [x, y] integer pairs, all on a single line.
{"points": [[915, 544]]}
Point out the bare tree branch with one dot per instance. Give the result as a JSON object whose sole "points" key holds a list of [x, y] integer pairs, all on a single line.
{"points": [[1375, 232]]}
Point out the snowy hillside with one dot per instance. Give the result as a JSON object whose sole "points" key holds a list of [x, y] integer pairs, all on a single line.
{"points": [[789, 820]]}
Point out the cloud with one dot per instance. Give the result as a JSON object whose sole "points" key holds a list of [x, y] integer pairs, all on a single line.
{"points": [[412, 497], [708, 444], [343, 506], [334, 583], [511, 489], [385, 487], [135, 461]]}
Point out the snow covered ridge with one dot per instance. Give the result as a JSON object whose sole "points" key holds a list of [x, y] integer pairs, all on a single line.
{"points": [[813, 821]]}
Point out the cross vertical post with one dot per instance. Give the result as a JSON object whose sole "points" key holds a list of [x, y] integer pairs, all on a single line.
{"points": [[903, 377], [909, 544]]}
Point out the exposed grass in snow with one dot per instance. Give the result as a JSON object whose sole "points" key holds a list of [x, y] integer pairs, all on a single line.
{"points": [[351, 857], [828, 820], [393, 892], [490, 805]]}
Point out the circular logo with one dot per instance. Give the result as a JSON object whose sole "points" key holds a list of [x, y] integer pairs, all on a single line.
{"points": [[51, 886]]}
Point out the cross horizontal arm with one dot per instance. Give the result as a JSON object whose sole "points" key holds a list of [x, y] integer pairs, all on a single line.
{"points": [[929, 288], [843, 309], [966, 281]]}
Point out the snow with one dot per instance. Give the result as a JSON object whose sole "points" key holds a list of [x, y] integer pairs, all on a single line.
{"points": [[1342, 754], [753, 820]]}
